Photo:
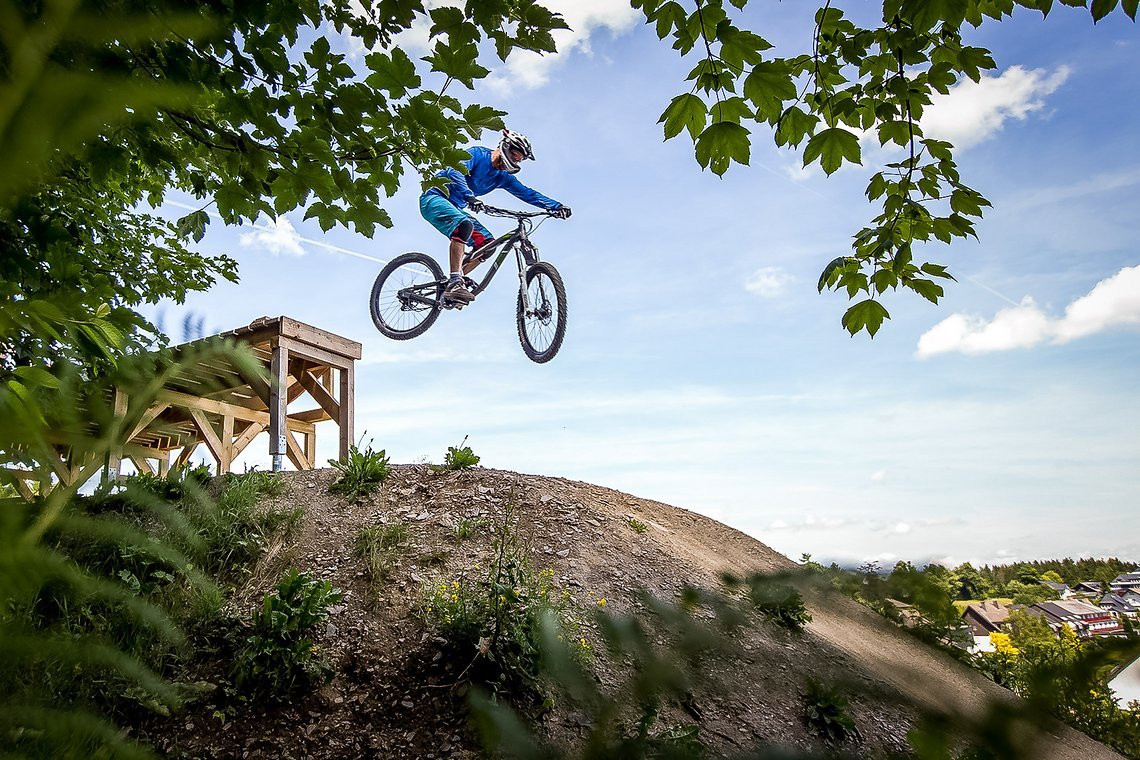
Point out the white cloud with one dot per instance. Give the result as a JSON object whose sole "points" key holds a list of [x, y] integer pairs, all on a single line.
{"points": [[278, 237], [531, 70], [1114, 301], [878, 476], [974, 111], [900, 529], [768, 282]]}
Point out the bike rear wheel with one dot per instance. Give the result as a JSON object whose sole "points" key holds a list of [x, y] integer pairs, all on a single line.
{"points": [[407, 296], [542, 326]]}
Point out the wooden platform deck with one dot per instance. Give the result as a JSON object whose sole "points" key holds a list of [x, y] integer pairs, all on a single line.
{"points": [[226, 407], [299, 375]]}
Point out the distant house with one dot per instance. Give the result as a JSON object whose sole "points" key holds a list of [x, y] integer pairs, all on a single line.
{"points": [[1094, 588], [1085, 619], [1121, 603], [909, 616], [1062, 589], [984, 618], [1126, 581]]}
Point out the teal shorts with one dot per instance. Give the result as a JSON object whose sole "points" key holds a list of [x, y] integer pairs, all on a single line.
{"points": [[449, 220]]}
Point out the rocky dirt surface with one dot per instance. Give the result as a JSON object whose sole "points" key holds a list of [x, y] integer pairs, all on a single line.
{"points": [[395, 695]]}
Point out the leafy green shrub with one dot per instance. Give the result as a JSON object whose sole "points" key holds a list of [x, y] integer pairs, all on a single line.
{"points": [[458, 458], [361, 472], [825, 712], [498, 615], [277, 660], [175, 484], [637, 525], [235, 528], [779, 603]]}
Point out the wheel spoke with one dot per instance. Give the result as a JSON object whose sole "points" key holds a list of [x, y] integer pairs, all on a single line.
{"points": [[405, 297]]}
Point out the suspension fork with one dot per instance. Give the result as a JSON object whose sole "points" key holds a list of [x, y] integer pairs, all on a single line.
{"points": [[523, 296]]}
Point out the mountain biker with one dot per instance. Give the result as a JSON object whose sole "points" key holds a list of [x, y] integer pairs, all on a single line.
{"points": [[487, 170]]}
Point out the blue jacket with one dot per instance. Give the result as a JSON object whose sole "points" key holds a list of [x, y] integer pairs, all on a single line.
{"points": [[482, 178]]}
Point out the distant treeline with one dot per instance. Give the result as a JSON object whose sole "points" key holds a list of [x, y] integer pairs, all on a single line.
{"points": [[1070, 570], [1020, 581]]}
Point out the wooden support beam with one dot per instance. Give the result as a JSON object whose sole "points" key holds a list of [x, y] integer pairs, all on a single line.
{"points": [[311, 448], [210, 437], [115, 455], [91, 465], [258, 385], [278, 404], [142, 464], [24, 490], [320, 394], [246, 437], [20, 479], [227, 439], [311, 416], [296, 455], [62, 471], [183, 457], [315, 354], [347, 409], [221, 408], [148, 417]]}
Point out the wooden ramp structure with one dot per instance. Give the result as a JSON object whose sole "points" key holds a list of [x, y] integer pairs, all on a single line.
{"points": [[225, 406], [217, 399]]}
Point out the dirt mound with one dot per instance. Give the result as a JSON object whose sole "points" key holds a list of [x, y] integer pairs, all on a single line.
{"points": [[393, 693]]}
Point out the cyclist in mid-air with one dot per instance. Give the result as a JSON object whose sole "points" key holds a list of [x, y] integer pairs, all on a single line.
{"points": [[487, 170]]}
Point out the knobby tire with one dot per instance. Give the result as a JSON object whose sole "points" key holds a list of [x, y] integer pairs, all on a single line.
{"points": [[395, 320], [541, 336]]}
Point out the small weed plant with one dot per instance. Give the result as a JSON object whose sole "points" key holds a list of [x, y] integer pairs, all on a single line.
{"points": [[277, 660], [377, 546], [637, 525], [826, 713], [361, 472], [467, 527], [459, 457]]}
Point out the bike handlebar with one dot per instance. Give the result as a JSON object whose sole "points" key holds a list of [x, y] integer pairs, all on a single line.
{"points": [[496, 211]]}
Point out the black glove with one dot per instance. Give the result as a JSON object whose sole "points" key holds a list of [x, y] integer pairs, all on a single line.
{"points": [[562, 212], [476, 205]]}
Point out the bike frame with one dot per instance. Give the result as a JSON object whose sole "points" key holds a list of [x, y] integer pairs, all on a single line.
{"points": [[518, 241]]}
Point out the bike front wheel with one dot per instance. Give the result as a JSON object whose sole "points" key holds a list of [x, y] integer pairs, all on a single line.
{"points": [[407, 296], [542, 319]]}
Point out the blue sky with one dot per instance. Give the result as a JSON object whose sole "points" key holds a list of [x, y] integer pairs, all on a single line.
{"points": [[700, 366]]}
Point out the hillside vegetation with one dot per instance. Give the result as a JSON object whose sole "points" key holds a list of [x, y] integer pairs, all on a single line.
{"points": [[395, 578]]}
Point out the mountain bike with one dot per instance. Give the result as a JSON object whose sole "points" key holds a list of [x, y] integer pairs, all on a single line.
{"points": [[408, 295]]}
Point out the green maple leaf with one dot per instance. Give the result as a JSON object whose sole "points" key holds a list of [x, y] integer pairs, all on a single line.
{"points": [[684, 112], [831, 147], [722, 143], [768, 86], [793, 126], [396, 74], [866, 315]]}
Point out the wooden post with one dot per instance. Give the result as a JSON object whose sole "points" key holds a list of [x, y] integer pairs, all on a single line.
{"points": [[278, 404], [227, 442], [115, 455], [347, 412]]}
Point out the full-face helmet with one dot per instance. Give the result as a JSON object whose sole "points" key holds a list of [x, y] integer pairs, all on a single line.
{"points": [[513, 141]]}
